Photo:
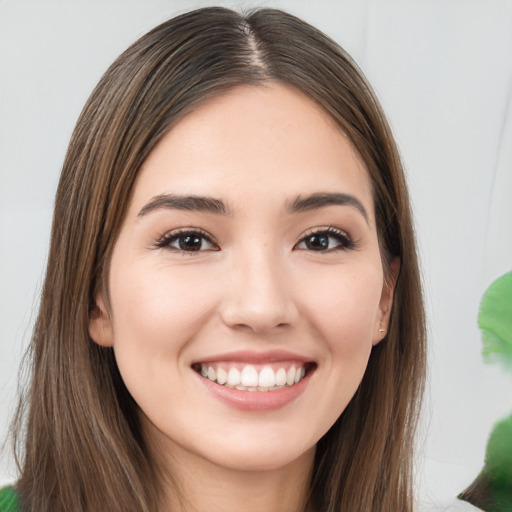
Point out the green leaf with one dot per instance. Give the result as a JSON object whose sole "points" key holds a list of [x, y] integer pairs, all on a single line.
{"points": [[499, 452], [495, 321]]}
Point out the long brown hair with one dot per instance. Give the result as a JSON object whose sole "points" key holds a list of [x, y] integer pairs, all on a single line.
{"points": [[81, 447]]}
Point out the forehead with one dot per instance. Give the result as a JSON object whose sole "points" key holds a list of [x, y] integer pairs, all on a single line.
{"points": [[255, 141]]}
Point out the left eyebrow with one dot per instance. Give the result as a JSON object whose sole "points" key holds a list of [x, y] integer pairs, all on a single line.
{"points": [[322, 199], [189, 203]]}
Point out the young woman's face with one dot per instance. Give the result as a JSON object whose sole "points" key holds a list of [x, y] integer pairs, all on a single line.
{"points": [[246, 284]]}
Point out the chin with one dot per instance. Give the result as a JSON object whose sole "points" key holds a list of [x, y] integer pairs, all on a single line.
{"points": [[258, 460]]}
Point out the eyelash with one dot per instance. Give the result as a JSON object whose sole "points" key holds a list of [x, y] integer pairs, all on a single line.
{"points": [[344, 242], [166, 241]]}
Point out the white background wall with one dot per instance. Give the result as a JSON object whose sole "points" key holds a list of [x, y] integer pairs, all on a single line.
{"points": [[443, 71]]}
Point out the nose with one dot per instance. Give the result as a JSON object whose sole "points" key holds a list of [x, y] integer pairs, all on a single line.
{"points": [[258, 295]]}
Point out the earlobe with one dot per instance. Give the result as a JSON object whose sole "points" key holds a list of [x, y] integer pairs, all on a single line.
{"points": [[100, 325], [386, 302]]}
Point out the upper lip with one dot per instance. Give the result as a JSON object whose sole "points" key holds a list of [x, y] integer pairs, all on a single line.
{"points": [[255, 357]]}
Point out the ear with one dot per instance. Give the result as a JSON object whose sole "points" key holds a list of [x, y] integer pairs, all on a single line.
{"points": [[386, 302], [100, 325]]}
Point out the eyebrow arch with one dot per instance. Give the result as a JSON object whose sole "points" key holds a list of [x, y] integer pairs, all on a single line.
{"points": [[189, 203], [322, 199]]}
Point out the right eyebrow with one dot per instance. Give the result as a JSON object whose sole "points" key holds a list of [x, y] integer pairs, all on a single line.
{"points": [[188, 203]]}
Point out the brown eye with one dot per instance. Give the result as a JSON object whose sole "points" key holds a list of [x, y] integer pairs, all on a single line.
{"points": [[190, 242], [317, 242], [326, 240], [187, 241]]}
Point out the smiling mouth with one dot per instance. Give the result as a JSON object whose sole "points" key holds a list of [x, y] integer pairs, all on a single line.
{"points": [[249, 377]]}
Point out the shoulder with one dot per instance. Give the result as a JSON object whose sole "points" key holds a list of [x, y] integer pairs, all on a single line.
{"points": [[8, 500]]}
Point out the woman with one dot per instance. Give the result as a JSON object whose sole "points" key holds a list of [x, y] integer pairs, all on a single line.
{"points": [[232, 313]]}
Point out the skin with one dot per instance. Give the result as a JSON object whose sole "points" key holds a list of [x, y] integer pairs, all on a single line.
{"points": [[258, 286]]}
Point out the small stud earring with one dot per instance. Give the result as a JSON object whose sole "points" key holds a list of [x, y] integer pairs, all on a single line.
{"points": [[382, 330]]}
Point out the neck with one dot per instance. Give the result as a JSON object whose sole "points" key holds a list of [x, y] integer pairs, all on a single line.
{"points": [[193, 484]]}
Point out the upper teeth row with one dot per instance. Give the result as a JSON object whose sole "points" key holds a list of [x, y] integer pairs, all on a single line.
{"points": [[250, 378]]}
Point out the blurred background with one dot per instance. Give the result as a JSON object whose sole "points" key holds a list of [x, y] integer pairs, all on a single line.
{"points": [[443, 72]]}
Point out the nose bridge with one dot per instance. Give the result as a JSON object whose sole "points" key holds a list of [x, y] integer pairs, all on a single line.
{"points": [[259, 293]]}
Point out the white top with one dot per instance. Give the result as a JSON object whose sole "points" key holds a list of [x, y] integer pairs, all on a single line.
{"points": [[451, 506]]}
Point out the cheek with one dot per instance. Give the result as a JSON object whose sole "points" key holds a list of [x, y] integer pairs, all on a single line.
{"points": [[346, 308], [343, 315], [160, 302], [156, 313]]}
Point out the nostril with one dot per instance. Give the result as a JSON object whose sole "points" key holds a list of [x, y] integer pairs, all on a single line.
{"points": [[259, 320]]}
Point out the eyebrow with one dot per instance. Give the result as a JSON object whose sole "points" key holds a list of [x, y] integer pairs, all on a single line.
{"points": [[216, 206], [189, 203], [320, 200]]}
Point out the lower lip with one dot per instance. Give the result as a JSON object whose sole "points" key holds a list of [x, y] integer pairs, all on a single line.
{"points": [[256, 400]]}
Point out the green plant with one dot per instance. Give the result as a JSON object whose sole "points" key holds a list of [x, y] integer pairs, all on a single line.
{"points": [[492, 489]]}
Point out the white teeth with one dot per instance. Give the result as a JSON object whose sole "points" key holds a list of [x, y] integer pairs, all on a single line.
{"points": [[249, 379], [233, 377], [222, 376], [249, 376], [280, 377], [267, 378], [290, 376]]}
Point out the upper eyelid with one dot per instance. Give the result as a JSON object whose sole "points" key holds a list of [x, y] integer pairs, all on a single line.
{"points": [[161, 242], [326, 229], [190, 229]]}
